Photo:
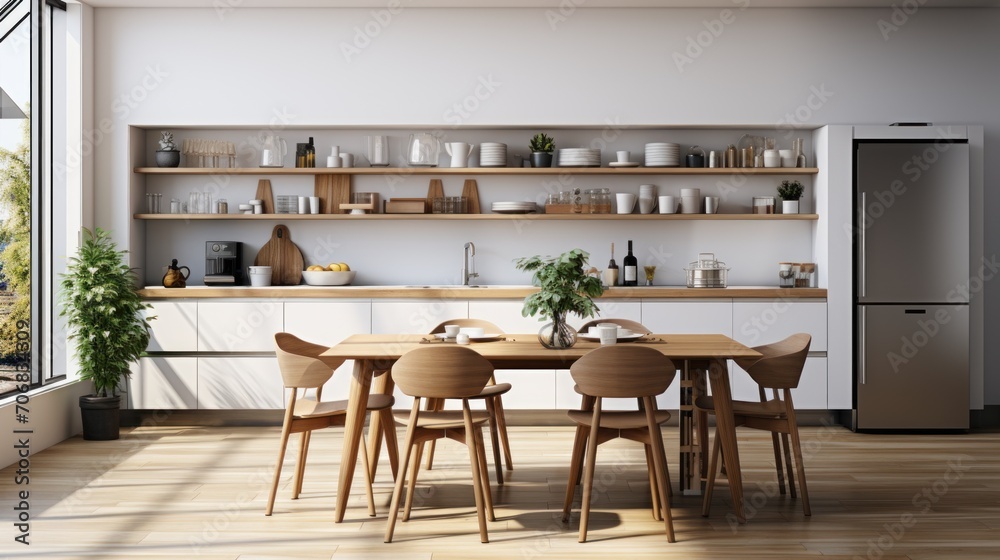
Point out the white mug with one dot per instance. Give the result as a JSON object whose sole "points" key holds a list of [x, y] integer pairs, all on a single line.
{"points": [[347, 160], [626, 202], [623, 156], [646, 205], [451, 330], [668, 204], [609, 335], [314, 205]]}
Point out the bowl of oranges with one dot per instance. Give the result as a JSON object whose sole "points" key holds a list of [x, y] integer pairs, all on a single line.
{"points": [[334, 274]]}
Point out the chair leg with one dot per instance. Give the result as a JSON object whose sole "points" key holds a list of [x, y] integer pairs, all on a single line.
{"points": [[411, 483], [660, 462], [485, 476], [277, 468], [575, 467], [300, 465], [369, 491], [776, 446], [797, 449], [504, 438], [432, 405], [713, 469], [588, 474], [494, 439], [653, 491], [477, 484], [788, 465], [397, 491]]}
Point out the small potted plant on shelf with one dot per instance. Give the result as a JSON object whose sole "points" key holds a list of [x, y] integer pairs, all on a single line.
{"points": [[167, 155], [105, 315], [790, 193], [566, 287], [542, 147]]}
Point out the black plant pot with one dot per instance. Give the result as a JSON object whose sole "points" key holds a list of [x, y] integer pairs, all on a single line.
{"points": [[541, 159], [100, 417], [170, 158]]}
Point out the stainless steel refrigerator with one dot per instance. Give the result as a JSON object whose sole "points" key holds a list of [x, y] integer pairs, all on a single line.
{"points": [[911, 247]]}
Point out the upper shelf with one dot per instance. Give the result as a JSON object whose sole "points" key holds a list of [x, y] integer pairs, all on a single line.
{"points": [[502, 217], [478, 170]]}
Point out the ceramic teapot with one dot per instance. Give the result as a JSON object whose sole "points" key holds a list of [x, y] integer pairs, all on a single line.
{"points": [[459, 152], [273, 150], [175, 278]]}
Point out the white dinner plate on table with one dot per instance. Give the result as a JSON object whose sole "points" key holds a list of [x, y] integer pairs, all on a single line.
{"points": [[596, 338]]}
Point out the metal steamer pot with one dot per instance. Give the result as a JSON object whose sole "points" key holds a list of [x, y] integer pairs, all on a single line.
{"points": [[706, 272]]}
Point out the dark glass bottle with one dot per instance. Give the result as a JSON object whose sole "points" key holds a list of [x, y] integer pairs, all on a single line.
{"points": [[631, 265], [311, 153], [301, 151]]}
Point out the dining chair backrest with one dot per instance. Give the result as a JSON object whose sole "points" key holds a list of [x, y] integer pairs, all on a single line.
{"points": [[623, 371], [782, 362], [442, 372], [300, 362], [487, 326], [629, 324]]}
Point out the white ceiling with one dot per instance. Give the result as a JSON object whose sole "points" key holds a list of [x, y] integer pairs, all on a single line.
{"points": [[538, 3]]}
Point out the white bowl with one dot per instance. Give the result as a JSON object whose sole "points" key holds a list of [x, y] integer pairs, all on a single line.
{"points": [[328, 277]]}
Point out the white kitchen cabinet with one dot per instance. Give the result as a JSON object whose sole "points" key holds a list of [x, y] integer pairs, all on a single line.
{"points": [[162, 383], [175, 328], [239, 383], [764, 322], [809, 395], [328, 323], [247, 326], [688, 317]]}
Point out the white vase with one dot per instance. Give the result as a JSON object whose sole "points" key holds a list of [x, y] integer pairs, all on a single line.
{"points": [[789, 206]]}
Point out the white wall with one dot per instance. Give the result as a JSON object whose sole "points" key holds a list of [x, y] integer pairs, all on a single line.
{"points": [[178, 67]]}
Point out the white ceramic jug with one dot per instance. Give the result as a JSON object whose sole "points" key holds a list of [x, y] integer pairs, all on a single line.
{"points": [[272, 150], [459, 152]]}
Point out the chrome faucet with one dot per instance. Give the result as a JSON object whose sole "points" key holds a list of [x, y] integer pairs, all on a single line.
{"points": [[469, 273]]}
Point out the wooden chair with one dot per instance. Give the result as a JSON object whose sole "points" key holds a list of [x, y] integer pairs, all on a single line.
{"points": [[491, 395], [442, 372], [303, 367], [779, 370], [638, 372]]}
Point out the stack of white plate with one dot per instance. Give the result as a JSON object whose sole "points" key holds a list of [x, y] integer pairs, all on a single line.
{"points": [[515, 207], [663, 154], [493, 154], [579, 157]]}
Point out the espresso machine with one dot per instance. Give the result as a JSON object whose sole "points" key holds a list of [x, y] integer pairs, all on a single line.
{"points": [[224, 263]]}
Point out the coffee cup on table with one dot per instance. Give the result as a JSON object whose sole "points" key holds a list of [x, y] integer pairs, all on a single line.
{"points": [[608, 334], [451, 330]]}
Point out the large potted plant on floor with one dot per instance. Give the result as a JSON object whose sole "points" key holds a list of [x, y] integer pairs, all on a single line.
{"points": [[565, 288], [103, 311]]}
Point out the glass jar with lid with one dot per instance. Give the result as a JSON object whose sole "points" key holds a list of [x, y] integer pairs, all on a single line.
{"points": [[600, 200]]}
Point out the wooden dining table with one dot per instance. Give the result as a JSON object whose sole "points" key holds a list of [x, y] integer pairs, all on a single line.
{"points": [[698, 356]]}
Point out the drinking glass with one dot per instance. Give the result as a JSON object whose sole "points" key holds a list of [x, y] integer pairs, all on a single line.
{"points": [[378, 150]]}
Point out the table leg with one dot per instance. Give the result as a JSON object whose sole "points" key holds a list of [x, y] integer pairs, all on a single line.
{"points": [[383, 423], [725, 426], [353, 428]]}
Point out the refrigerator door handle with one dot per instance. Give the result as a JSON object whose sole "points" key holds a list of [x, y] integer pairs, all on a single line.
{"points": [[862, 253], [862, 349]]}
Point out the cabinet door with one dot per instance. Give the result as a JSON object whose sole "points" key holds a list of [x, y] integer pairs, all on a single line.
{"points": [[809, 395], [239, 383], [763, 322], [239, 326], [328, 323], [175, 328], [688, 317], [164, 384]]}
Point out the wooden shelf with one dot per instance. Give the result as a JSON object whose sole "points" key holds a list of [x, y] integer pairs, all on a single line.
{"points": [[464, 217], [478, 171]]}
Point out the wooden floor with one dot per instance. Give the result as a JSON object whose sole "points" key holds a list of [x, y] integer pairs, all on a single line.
{"points": [[169, 492]]}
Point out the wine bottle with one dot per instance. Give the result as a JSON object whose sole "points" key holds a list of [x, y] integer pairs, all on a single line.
{"points": [[311, 154], [631, 268], [611, 274]]}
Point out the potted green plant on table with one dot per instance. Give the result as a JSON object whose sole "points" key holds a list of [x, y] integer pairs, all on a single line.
{"points": [[104, 313], [790, 193], [565, 288], [542, 147]]}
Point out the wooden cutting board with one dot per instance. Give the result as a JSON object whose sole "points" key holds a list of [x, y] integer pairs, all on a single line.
{"points": [[282, 256], [470, 190], [264, 194], [332, 190]]}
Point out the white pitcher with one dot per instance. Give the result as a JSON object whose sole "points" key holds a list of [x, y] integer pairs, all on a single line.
{"points": [[459, 152]]}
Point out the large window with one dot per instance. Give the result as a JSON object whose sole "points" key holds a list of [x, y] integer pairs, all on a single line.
{"points": [[33, 110]]}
